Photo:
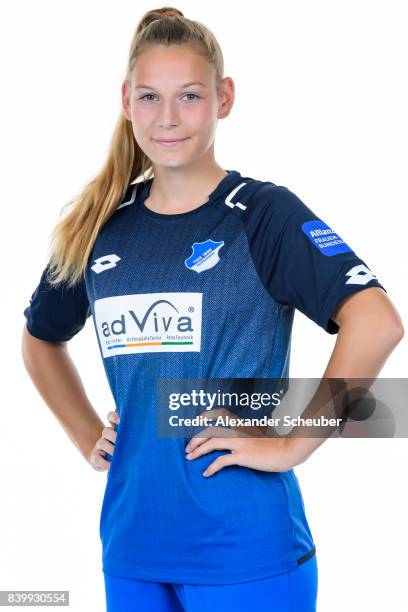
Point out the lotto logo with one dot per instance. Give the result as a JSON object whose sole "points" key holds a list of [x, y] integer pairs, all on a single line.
{"points": [[105, 262], [359, 275]]}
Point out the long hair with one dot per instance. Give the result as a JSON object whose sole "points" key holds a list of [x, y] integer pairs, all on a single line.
{"points": [[74, 235]]}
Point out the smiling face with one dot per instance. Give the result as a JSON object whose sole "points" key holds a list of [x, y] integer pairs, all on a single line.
{"points": [[172, 96]]}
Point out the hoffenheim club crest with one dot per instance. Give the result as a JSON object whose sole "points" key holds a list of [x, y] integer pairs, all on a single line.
{"points": [[205, 255]]}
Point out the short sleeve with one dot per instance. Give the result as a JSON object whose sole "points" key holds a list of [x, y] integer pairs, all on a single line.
{"points": [[57, 313], [300, 259]]}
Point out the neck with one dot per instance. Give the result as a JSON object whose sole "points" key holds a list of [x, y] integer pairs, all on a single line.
{"points": [[175, 190]]}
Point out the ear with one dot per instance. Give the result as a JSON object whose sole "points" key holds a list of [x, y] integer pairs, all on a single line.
{"points": [[226, 97], [126, 99]]}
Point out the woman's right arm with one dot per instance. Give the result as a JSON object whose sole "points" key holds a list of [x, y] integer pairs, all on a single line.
{"points": [[57, 379]]}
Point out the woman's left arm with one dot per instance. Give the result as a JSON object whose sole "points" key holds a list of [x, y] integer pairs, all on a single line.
{"points": [[369, 330]]}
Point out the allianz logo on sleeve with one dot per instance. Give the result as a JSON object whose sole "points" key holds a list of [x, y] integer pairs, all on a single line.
{"points": [[149, 323]]}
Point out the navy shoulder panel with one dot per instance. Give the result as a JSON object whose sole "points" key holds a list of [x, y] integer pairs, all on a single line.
{"points": [[237, 199], [300, 259]]}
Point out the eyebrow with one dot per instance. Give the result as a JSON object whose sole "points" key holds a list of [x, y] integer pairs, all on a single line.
{"points": [[181, 86]]}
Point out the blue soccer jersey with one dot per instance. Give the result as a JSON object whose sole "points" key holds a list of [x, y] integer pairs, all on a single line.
{"points": [[209, 293]]}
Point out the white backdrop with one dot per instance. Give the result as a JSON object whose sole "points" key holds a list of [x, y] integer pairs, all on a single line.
{"points": [[321, 107]]}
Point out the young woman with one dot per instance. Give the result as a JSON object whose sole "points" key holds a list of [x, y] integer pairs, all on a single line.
{"points": [[194, 272]]}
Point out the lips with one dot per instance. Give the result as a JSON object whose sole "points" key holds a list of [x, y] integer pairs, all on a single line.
{"points": [[169, 143], [169, 140]]}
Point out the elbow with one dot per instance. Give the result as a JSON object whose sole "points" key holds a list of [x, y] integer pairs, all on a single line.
{"points": [[390, 331], [397, 331], [389, 323], [392, 325]]}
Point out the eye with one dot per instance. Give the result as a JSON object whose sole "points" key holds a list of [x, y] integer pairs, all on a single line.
{"points": [[192, 94], [143, 97]]}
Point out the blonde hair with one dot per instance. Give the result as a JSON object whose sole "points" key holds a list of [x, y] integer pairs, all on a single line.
{"points": [[74, 235]]}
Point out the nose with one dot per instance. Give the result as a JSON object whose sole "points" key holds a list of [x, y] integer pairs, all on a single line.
{"points": [[168, 115]]}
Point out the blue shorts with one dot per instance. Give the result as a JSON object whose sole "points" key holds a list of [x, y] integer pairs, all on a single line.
{"points": [[294, 591]]}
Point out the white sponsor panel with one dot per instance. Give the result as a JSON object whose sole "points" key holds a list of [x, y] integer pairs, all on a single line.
{"points": [[149, 323]]}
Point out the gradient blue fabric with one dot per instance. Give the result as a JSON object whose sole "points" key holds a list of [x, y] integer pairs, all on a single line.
{"points": [[207, 293]]}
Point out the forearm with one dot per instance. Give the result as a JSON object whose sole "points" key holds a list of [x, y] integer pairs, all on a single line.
{"points": [[360, 353], [56, 378]]}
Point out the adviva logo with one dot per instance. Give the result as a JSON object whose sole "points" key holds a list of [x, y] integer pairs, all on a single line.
{"points": [[149, 323]]}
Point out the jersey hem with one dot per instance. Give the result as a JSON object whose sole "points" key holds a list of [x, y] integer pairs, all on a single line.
{"points": [[121, 570]]}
